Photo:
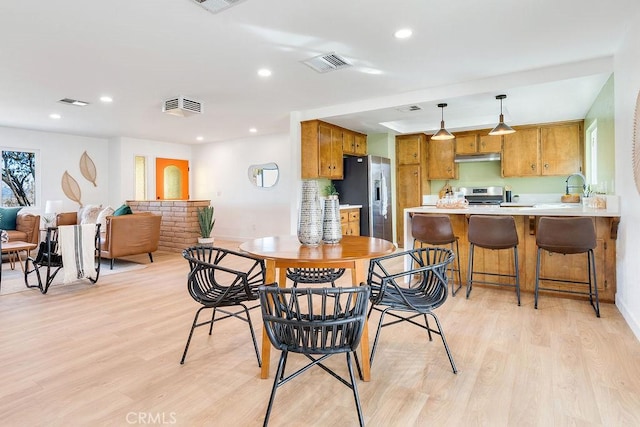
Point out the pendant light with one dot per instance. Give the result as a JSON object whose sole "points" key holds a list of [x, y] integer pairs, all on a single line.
{"points": [[442, 133], [501, 128]]}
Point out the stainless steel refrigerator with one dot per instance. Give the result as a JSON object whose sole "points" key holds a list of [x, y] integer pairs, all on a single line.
{"points": [[367, 182]]}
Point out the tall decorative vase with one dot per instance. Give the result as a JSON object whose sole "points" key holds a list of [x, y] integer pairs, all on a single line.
{"points": [[331, 226], [310, 219]]}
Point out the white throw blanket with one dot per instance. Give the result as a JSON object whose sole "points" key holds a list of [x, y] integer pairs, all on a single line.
{"points": [[77, 247]]}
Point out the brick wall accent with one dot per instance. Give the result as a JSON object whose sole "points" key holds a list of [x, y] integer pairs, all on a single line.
{"points": [[179, 227]]}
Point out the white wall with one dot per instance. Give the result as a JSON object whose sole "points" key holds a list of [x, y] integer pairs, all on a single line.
{"points": [[122, 152], [242, 210], [627, 86], [58, 153]]}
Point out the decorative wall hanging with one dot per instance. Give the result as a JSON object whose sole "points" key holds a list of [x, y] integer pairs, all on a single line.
{"points": [[88, 168], [71, 188], [636, 144]]}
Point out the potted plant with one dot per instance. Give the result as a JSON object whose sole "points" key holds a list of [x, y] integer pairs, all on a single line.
{"points": [[206, 222], [330, 191]]}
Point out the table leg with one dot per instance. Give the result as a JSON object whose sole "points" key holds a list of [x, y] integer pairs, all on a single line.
{"points": [[270, 273], [359, 275]]}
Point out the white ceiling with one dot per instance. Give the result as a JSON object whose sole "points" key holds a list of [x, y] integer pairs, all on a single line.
{"points": [[551, 57]]}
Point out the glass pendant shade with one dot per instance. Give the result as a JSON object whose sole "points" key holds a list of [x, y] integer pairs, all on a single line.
{"points": [[501, 128], [442, 133]]}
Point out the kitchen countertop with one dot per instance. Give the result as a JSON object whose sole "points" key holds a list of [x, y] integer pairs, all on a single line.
{"points": [[541, 209], [350, 206]]}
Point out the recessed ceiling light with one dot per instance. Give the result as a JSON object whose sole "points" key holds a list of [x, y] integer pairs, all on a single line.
{"points": [[403, 33], [199, 138], [263, 72], [106, 99], [55, 116], [253, 130]]}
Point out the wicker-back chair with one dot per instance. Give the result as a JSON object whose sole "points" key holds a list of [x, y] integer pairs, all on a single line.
{"points": [[221, 278], [315, 322], [416, 292]]}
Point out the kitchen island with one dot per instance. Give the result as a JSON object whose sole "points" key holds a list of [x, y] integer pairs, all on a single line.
{"points": [[568, 267]]}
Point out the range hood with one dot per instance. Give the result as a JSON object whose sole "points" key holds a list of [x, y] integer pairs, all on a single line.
{"points": [[482, 157]]}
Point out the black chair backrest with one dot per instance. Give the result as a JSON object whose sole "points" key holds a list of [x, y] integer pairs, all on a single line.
{"points": [[223, 277], [427, 276], [314, 321]]}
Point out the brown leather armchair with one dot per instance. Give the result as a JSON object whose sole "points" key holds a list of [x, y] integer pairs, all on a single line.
{"points": [[125, 235], [27, 228]]}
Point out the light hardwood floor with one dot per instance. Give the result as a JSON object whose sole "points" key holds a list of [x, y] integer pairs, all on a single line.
{"points": [[108, 355]]}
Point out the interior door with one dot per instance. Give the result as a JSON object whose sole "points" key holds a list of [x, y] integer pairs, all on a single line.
{"points": [[172, 179]]}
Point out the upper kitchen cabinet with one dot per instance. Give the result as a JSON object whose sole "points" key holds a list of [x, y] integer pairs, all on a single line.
{"points": [[321, 150], [441, 159], [561, 148], [354, 143], [521, 153], [411, 176], [477, 142], [543, 150]]}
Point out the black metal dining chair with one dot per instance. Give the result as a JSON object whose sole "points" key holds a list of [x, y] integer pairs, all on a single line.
{"points": [[406, 294], [219, 279], [318, 323]]}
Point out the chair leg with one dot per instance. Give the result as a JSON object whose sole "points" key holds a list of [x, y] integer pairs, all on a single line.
{"points": [[470, 270], [354, 388], [426, 322], [150, 257], [111, 264], [454, 290], [444, 341], [592, 268], [193, 326], [517, 272], [535, 298], [375, 340], [276, 381], [253, 335]]}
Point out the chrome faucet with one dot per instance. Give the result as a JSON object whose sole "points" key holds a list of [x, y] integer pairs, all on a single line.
{"points": [[583, 186]]}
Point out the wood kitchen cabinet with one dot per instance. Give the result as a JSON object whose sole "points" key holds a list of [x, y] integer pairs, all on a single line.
{"points": [[441, 159], [321, 150], [354, 143], [350, 221], [478, 142], [561, 148], [543, 150], [521, 153], [412, 180]]}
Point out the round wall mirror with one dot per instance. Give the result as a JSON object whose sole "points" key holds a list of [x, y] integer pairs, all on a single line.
{"points": [[265, 175]]}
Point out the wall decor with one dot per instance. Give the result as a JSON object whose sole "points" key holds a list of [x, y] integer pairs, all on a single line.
{"points": [[88, 168], [71, 188], [636, 144]]}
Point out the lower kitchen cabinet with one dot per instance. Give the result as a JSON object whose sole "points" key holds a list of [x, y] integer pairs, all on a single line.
{"points": [[566, 267], [350, 221]]}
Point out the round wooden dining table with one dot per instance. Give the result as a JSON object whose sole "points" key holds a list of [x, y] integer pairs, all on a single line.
{"points": [[352, 253]]}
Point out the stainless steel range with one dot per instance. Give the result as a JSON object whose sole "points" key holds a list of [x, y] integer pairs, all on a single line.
{"points": [[483, 195]]}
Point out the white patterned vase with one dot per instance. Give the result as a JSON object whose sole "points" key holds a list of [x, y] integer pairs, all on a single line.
{"points": [[331, 227], [310, 218]]}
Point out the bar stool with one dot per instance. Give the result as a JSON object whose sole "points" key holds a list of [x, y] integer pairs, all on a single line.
{"points": [[436, 230], [494, 232], [568, 235]]}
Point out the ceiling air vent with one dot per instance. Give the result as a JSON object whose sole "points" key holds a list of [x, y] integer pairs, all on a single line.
{"points": [[75, 102], [409, 108], [182, 106], [216, 6], [326, 62]]}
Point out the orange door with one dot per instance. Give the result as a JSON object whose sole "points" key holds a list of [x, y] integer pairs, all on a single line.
{"points": [[172, 179]]}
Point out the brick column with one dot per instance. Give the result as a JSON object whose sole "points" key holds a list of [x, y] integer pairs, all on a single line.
{"points": [[179, 227]]}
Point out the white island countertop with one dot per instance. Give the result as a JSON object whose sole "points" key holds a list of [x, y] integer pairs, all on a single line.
{"points": [[542, 209]]}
